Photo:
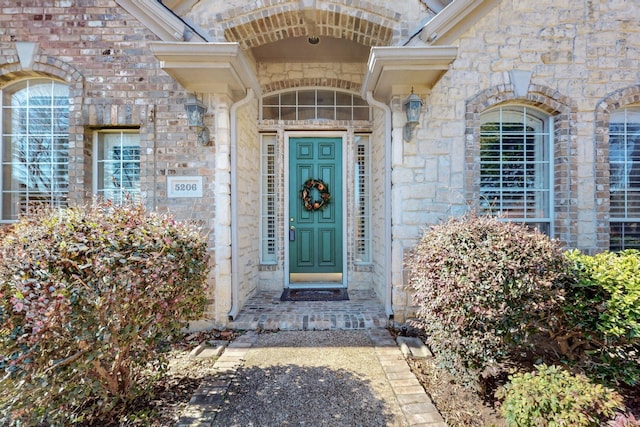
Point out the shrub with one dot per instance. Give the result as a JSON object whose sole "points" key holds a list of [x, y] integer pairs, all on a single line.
{"points": [[603, 314], [86, 297], [483, 287], [551, 396], [625, 420]]}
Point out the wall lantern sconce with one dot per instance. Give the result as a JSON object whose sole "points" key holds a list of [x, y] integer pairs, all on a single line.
{"points": [[412, 107], [195, 119]]}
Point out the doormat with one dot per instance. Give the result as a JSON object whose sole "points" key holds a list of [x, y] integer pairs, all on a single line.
{"points": [[314, 295]]}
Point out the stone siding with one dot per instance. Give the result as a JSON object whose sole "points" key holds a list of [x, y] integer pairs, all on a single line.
{"points": [[584, 60]]}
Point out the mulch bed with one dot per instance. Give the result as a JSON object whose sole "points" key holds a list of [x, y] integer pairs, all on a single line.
{"points": [[461, 407]]}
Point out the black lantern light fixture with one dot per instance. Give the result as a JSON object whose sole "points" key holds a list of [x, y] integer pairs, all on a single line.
{"points": [[195, 119], [412, 107]]}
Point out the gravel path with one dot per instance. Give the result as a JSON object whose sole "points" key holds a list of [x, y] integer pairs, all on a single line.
{"points": [[311, 378]]}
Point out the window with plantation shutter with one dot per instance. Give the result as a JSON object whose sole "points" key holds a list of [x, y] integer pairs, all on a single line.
{"points": [[515, 166], [117, 165], [35, 146], [268, 200], [363, 200], [624, 173]]}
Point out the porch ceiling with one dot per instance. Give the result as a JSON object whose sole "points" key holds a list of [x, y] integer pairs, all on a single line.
{"points": [[208, 67], [419, 66]]}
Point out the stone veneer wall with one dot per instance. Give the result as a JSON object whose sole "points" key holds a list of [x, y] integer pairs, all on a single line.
{"points": [[248, 174], [378, 202], [584, 58], [282, 76]]}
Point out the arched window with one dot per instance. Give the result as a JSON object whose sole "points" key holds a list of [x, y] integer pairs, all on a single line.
{"points": [[315, 104], [35, 145], [516, 165], [624, 167]]}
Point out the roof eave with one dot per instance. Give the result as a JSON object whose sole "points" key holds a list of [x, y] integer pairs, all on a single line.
{"points": [[160, 20]]}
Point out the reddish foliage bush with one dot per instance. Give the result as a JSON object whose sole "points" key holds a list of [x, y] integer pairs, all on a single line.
{"points": [[483, 288], [86, 297]]}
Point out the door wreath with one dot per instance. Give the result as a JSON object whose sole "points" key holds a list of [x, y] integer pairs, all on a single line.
{"points": [[305, 194]]}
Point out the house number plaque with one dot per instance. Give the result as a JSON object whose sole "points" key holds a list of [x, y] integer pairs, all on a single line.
{"points": [[184, 186]]}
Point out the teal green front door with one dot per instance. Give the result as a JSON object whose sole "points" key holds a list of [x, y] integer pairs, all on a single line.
{"points": [[315, 210]]}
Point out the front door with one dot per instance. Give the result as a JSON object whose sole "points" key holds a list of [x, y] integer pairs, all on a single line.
{"points": [[315, 211]]}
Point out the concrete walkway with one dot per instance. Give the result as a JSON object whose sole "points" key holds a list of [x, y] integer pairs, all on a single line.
{"points": [[313, 378]]}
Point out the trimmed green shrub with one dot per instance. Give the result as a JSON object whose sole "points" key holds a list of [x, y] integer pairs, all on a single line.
{"points": [[551, 397], [603, 315], [482, 288], [86, 297]]}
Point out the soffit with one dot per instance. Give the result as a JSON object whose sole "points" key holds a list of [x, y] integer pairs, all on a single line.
{"points": [[419, 66], [208, 67], [299, 49]]}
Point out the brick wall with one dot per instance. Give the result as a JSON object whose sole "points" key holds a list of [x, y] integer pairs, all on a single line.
{"points": [[101, 53], [372, 23], [114, 81]]}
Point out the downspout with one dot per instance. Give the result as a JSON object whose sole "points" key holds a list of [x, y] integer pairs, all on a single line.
{"points": [[235, 291], [388, 307], [152, 119]]}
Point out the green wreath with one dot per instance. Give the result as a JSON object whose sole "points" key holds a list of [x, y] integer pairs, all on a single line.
{"points": [[305, 194]]}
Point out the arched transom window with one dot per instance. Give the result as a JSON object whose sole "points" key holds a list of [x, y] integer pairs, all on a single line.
{"points": [[315, 104]]}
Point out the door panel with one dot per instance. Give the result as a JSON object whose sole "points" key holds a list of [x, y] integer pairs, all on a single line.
{"points": [[315, 244]]}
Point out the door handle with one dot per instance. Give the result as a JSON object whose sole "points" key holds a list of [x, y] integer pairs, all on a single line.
{"points": [[292, 233]]}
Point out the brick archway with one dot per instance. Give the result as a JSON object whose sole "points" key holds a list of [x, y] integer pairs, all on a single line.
{"points": [[42, 66], [367, 26], [311, 82]]}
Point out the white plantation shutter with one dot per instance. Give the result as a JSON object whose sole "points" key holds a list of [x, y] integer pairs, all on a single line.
{"points": [[516, 166], [268, 201], [624, 173], [35, 139], [117, 164], [363, 199]]}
